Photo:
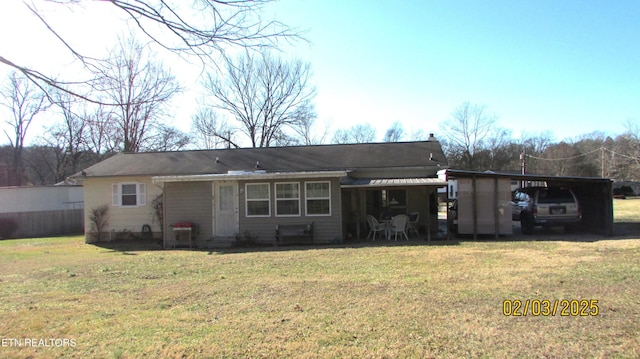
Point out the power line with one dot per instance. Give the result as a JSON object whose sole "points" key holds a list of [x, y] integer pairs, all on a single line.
{"points": [[621, 154], [585, 154], [566, 158]]}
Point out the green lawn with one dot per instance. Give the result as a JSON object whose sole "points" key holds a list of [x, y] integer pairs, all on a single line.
{"points": [[361, 302]]}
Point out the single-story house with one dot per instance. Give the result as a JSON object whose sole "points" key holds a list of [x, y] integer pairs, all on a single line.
{"points": [[224, 194]]}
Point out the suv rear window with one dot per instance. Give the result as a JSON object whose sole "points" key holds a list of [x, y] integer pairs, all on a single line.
{"points": [[555, 195]]}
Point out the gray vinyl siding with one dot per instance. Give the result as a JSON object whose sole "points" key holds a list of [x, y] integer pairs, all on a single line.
{"points": [[418, 201], [189, 202], [326, 228]]}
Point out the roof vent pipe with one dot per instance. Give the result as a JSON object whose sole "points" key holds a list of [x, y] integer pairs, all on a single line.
{"points": [[217, 159]]}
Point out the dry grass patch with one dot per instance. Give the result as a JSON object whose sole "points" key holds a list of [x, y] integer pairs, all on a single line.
{"points": [[369, 302], [627, 210], [397, 301]]}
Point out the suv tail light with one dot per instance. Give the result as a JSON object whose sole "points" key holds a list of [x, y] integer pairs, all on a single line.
{"points": [[534, 210], [580, 212]]}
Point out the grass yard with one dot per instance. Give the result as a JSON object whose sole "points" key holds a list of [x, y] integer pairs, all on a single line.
{"points": [[349, 302]]}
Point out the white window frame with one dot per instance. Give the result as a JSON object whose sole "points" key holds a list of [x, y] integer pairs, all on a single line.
{"points": [[307, 198], [275, 186], [247, 199], [141, 194]]}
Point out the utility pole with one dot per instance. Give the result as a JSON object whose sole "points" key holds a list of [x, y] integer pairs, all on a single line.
{"points": [[602, 161], [523, 162]]}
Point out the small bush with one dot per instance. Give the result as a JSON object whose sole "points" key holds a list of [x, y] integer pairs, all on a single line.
{"points": [[99, 221], [8, 227]]}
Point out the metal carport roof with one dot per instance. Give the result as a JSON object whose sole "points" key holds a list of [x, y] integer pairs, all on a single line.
{"points": [[595, 194]]}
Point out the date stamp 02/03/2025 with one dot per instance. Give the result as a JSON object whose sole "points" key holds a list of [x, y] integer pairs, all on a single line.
{"points": [[549, 308]]}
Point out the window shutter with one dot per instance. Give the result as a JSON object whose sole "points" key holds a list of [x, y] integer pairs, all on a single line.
{"points": [[142, 194], [115, 194]]}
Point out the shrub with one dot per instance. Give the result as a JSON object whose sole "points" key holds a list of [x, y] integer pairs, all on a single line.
{"points": [[99, 221]]}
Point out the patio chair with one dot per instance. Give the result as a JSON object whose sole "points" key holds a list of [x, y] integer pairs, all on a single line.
{"points": [[399, 225], [414, 217], [375, 227]]}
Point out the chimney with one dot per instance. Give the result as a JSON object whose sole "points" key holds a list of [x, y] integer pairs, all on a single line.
{"points": [[431, 137]]}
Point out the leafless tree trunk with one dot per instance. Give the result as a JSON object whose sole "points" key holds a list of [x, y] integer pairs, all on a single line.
{"points": [[141, 88], [265, 96], [24, 101]]}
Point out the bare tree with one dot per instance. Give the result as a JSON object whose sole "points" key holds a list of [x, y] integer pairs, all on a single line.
{"points": [[206, 28], [167, 138], [69, 136], [264, 95], [395, 133], [103, 138], [141, 88], [307, 130], [24, 102], [355, 134], [467, 130], [208, 130]]}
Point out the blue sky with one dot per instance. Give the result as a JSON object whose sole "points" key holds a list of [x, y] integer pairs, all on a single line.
{"points": [[571, 67]]}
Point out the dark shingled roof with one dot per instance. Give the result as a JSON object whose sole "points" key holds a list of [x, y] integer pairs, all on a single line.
{"points": [[273, 159]]}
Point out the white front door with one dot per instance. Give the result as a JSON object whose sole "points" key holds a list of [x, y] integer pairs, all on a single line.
{"points": [[225, 208]]}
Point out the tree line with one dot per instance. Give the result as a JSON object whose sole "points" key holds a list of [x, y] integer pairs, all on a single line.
{"points": [[474, 141], [251, 97]]}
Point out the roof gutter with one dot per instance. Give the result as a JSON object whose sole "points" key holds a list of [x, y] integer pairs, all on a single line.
{"points": [[244, 176]]}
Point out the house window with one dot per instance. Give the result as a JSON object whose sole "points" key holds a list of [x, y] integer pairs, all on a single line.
{"points": [[287, 199], [129, 194], [318, 198], [258, 200]]}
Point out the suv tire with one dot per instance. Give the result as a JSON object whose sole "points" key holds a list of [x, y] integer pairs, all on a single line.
{"points": [[526, 223]]}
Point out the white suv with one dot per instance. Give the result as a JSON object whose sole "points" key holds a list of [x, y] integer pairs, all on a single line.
{"points": [[545, 206]]}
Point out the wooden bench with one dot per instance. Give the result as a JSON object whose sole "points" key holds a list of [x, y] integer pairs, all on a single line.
{"points": [[294, 234]]}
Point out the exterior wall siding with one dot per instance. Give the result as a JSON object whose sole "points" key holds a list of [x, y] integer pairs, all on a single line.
{"points": [[40, 198], [189, 202], [418, 201], [46, 223], [98, 192], [326, 228], [42, 210]]}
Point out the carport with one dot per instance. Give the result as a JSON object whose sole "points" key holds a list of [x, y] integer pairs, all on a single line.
{"points": [[594, 194]]}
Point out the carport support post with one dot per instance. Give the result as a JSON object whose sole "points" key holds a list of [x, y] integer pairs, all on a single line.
{"points": [[496, 210], [449, 220], [428, 216], [608, 209], [474, 198]]}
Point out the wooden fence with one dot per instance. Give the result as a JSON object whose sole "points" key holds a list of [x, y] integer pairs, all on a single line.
{"points": [[46, 223]]}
